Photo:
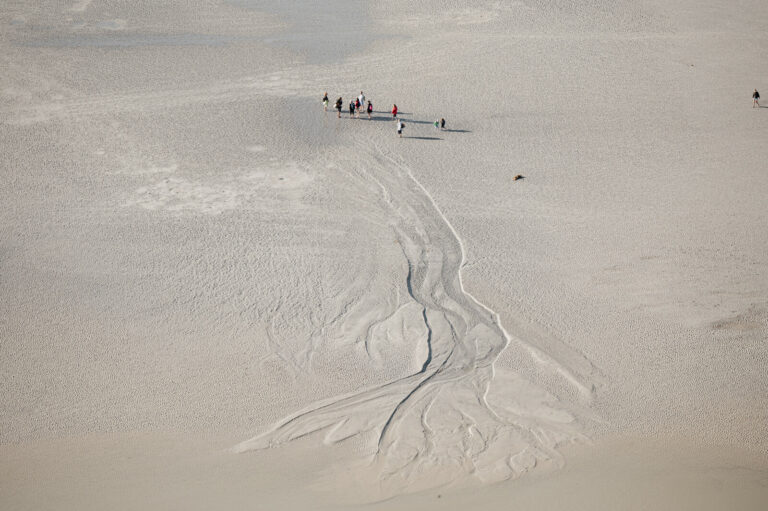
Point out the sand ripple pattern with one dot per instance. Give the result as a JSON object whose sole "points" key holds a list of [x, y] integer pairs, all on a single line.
{"points": [[455, 416]]}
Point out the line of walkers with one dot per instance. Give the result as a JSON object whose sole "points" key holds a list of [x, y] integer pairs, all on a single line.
{"points": [[355, 106], [358, 103]]}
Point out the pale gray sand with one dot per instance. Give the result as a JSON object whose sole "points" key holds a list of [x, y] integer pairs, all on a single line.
{"points": [[191, 246], [140, 471], [326, 33]]}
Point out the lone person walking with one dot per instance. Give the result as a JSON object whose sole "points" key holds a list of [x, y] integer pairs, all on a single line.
{"points": [[394, 111], [755, 99], [400, 127]]}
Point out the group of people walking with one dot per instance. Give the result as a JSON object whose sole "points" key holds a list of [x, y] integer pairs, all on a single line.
{"points": [[355, 106], [359, 103]]}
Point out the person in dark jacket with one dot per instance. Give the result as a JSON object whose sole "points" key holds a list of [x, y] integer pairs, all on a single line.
{"points": [[339, 103]]}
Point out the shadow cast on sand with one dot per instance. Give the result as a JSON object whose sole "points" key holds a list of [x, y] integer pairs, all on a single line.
{"points": [[387, 117], [414, 121]]}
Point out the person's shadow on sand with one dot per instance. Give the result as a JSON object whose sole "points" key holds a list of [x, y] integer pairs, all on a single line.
{"points": [[388, 118], [414, 121]]}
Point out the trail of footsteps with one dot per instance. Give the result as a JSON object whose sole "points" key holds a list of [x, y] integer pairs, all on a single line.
{"points": [[438, 423]]}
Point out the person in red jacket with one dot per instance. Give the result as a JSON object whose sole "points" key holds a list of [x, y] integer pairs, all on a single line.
{"points": [[394, 111]]}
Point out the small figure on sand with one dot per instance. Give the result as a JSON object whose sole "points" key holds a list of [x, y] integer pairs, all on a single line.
{"points": [[358, 106], [351, 109], [339, 103], [755, 99], [400, 127], [394, 111], [442, 123], [436, 124], [325, 102], [370, 110], [361, 97]]}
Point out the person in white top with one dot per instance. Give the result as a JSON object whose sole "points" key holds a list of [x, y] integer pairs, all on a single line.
{"points": [[400, 126], [361, 97]]}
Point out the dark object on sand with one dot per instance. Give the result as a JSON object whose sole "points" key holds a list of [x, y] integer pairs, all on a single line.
{"points": [[518, 177]]}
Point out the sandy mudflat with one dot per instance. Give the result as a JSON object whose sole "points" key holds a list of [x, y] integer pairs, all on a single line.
{"points": [[214, 294]]}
